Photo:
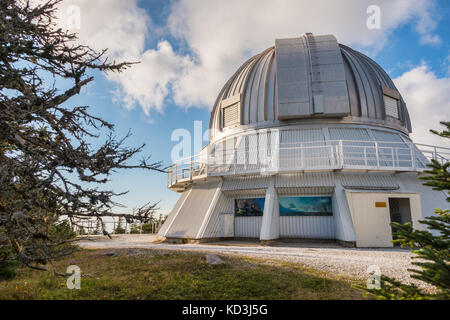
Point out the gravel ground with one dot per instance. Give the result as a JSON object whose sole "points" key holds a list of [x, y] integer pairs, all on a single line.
{"points": [[328, 257]]}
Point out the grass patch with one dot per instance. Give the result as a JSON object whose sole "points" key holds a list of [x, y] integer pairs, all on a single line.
{"points": [[159, 274]]}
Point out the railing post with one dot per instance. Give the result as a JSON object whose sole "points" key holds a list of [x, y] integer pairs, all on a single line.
{"points": [[235, 159], [365, 156], [377, 154], [392, 152], [176, 172], [413, 156], [396, 156], [191, 170], [341, 153], [302, 162]]}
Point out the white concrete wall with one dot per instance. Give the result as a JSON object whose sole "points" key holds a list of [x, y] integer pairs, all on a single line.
{"points": [[430, 199]]}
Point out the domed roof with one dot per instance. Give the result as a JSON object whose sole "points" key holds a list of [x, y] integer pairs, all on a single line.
{"points": [[309, 79]]}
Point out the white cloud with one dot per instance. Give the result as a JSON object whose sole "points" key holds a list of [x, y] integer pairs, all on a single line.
{"points": [[148, 83], [221, 35], [427, 98], [123, 28], [427, 22], [120, 26]]}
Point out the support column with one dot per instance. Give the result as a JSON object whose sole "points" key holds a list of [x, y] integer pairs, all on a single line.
{"points": [[344, 228], [270, 227]]}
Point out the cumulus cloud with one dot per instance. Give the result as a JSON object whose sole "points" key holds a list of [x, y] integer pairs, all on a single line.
{"points": [[123, 28], [148, 83], [426, 23], [120, 26], [428, 100], [220, 35]]}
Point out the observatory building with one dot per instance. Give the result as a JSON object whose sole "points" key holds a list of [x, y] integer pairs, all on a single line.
{"points": [[308, 140]]}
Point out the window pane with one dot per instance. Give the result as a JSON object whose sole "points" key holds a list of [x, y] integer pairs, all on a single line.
{"points": [[305, 206], [249, 207]]}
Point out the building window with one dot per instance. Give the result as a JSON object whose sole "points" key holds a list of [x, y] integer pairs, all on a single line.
{"points": [[253, 207], [391, 105], [305, 206]]}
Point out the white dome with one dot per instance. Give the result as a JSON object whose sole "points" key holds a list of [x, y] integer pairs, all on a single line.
{"points": [[308, 79]]}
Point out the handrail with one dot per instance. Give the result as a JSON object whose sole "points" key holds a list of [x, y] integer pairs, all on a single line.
{"points": [[294, 156], [432, 146]]}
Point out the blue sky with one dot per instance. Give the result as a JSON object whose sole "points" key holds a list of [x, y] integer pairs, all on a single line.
{"points": [[188, 49]]}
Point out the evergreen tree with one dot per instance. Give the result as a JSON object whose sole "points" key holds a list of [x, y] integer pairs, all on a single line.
{"points": [[52, 161], [98, 228], [432, 251], [119, 228]]}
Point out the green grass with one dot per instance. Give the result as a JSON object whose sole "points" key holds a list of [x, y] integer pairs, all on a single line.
{"points": [[153, 274]]}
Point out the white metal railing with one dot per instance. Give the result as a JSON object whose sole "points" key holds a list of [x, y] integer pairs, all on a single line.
{"points": [[440, 154], [316, 155]]}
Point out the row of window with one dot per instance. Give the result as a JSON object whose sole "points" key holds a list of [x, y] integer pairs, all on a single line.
{"points": [[288, 206]]}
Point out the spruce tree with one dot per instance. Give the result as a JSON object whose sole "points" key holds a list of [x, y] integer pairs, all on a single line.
{"points": [[431, 251], [55, 155]]}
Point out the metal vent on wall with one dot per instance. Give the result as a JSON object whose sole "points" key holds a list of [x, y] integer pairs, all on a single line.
{"points": [[391, 105], [391, 99], [231, 111]]}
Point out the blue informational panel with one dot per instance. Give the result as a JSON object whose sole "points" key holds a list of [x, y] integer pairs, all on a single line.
{"points": [[252, 207], [305, 206]]}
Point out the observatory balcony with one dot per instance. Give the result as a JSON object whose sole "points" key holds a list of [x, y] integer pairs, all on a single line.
{"points": [[264, 158]]}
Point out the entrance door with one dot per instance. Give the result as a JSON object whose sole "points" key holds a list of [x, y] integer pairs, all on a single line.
{"points": [[400, 212]]}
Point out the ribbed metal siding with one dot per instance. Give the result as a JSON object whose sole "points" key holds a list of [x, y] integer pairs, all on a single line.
{"points": [[247, 227], [370, 182], [190, 217], [305, 180], [309, 227], [245, 182], [304, 191], [365, 87], [349, 134], [381, 136], [248, 193], [172, 214], [214, 228]]}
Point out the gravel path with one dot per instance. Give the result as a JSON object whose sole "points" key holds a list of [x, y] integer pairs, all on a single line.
{"points": [[331, 258]]}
